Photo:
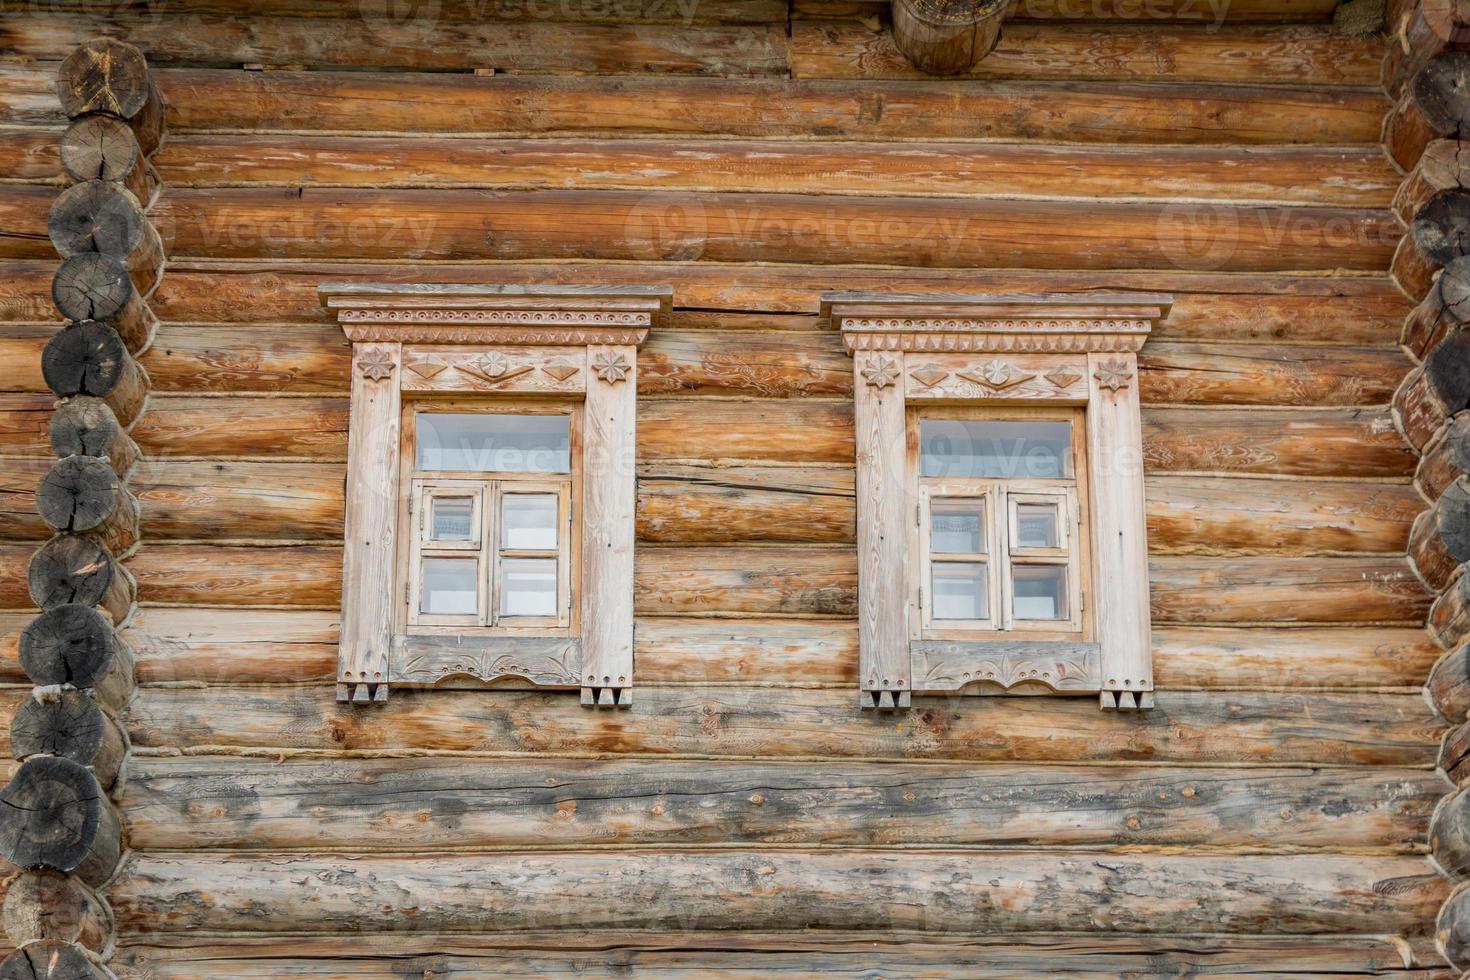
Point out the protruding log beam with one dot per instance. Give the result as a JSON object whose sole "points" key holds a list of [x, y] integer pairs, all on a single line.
{"points": [[1411, 270], [101, 216], [946, 37], [48, 905], [90, 358], [1444, 310], [75, 644], [71, 568], [1446, 459], [1444, 166], [1436, 106], [1435, 391], [101, 147], [92, 286], [1449, 617], [54, 814], [111, 76], [86, 426], [1449, 684], [73, 726], [82, 494], [1440, 539], [49, 960], [1419, 32], [1452, 928], [1449, 835], [1441, 229]]}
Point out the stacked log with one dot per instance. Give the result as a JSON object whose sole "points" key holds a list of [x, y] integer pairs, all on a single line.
{"points": [[1429, 75], [59, 824]]}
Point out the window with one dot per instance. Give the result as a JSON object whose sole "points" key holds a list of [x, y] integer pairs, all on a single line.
{"points": [[490, 486], [999, 477], [1000, 526]]}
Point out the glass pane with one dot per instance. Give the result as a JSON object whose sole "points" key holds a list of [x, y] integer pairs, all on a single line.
{"points": [[528, 587], [450, 587], [966, 448], [1036, 526], [480, 443], [1040, 592], [961, 591], [528, 521], [957, 527], [451, 518]]}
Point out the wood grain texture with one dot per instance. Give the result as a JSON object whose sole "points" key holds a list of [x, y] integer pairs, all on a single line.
{"points": [[855, 889], [742, 722], [407, 806]]}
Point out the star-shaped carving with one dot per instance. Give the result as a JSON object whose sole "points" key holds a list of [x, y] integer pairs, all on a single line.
{"points": [[375, 364], [1063, 377], [881, 374], [1113, 374], [611, 368]]}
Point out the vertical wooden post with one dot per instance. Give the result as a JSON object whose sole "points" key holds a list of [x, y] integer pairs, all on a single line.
{"points": [[368, 597], [610, 499], [1115, 446], [884, 512]]}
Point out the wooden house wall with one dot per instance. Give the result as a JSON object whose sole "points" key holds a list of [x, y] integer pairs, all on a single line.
{"points": [[1270, 814]]}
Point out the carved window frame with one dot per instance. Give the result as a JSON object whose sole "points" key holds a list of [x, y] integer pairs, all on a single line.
{"points": [[490, 347], [1001, 352]]}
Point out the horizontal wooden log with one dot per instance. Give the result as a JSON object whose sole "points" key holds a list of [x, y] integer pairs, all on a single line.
{"points": [[1107, 112], [104, 74], [253, 223], [806, 581], [1440, 540], [47, 905], [1443, 311], [1446, 459], [90, 358], [50, 959], [745, 722], [328, 12], [1313, 55], [92, 286], [1364, 310], [82, 495], [693, 955], [104, 217], [454, 805], [76, 645], [939, 891], [70, 725], [1361, 443], [103, 147], [1444, 166], [433, 43], [87, 426], [57, 816], [71, 568], [1360, 176], [279, 646]]}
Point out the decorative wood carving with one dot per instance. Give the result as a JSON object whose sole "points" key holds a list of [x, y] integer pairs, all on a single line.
{"points": [[924, 349], [499, 342]]}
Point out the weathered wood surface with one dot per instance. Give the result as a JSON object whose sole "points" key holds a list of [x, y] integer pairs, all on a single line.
{"points": [[853, 889], [49, 905], [276, 646], [1311, 55], [57, 816], [806, 955], [1356, 442], [822, 580], [1085, 111], [1207, 306], [446, 804], [50, 959], [1359, 175], [70, 725], [744, 722]]}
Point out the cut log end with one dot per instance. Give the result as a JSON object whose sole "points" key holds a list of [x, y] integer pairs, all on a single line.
{"points": [[104, 75], [70, 569], [99, 147], [52, 815], [72, 726], [70, 644], [1441, 91], [91, 286], [946, 37], [96, 216], [79, 493], [1452, 929], [48, 905], [85, 358], [1442, 227], [87, 426], [49, 960]]}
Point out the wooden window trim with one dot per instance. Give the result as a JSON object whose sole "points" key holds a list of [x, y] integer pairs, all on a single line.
{"points": [[1011, 354], [518, 349]]}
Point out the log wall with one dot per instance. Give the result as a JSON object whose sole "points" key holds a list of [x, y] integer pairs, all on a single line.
{"points": [[1272, 814]]}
